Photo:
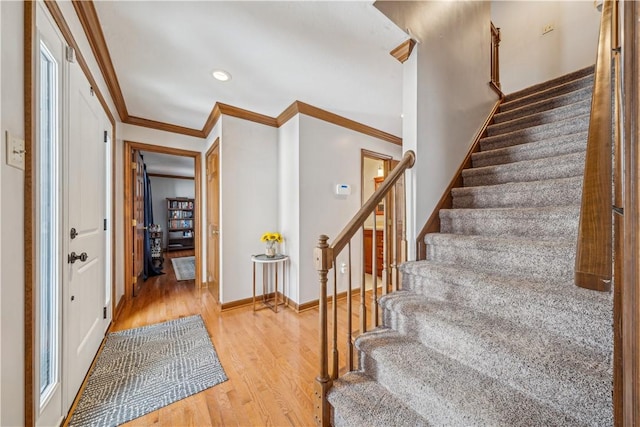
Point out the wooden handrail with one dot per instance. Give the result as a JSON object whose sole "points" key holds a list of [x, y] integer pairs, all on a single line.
{"points": [[495, 60], [594, 246], [325, 259], [367, 209]]}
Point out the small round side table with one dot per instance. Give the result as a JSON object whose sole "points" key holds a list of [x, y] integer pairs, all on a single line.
{"points": [[267, 263]]}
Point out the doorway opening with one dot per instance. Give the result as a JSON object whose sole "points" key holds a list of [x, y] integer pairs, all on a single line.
{"points": [[177, 218]]}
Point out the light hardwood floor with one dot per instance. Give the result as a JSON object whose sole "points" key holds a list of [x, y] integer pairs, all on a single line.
{"points": [[271, 359]]}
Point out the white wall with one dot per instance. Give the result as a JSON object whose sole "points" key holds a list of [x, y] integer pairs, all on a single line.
{"points": [[330, 155], [1, 162], [527, 56], [249, 200], [449, 76], [12, 224], [161, 188], [289, 201]]}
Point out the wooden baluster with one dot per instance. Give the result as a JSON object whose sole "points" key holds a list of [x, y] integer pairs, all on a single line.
{"points": [[374, 272], [363, 291], [323, 381], [335, 372], [385, 253], [349, 327], [394, 240]]}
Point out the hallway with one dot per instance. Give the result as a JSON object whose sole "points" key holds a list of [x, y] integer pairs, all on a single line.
{"points": [[271, 359]]}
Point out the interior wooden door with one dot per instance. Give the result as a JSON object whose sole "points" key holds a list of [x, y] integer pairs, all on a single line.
{"points": [[138, 220], [213, 221]]}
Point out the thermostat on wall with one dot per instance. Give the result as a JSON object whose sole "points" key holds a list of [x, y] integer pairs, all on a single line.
{"points": [[343, 189]]}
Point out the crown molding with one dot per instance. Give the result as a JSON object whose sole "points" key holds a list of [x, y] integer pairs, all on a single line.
{"points": [[88, 17], [403, 51], [240, 113], [167, 127], [299, 107], [213, 118]]}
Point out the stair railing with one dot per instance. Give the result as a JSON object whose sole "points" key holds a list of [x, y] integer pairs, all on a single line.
{"points": [[389, 194], [593, 266], [495, 59]]}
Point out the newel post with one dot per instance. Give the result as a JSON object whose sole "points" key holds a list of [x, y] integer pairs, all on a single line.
{"points": [[323, 260]]}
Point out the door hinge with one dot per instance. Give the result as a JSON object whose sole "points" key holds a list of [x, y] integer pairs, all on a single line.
{"points": [[134, 279], [106, 136], [619, 211], [105, 224], [104, 312], [134, 222], [70, 53], [134, 165], [91, 91]]}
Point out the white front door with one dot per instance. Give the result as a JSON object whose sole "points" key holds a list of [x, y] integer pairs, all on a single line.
{"points": [[85, 319]]}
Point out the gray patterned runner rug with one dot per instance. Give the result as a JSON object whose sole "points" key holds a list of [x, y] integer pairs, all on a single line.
{"points": [[185, 267], [143, 369]]}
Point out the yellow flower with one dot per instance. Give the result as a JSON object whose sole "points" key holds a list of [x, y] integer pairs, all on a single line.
{"points": [[271, 237]]}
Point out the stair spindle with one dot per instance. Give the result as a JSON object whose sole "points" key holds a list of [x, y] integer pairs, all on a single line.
{"points": [[349, 328], [335, 372], [374, 272]]}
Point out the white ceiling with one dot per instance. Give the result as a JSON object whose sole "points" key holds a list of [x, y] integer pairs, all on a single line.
{"points": [[333, 55]]}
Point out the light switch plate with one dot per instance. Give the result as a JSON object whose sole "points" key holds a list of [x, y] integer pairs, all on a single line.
{"points": [[15, 151]]}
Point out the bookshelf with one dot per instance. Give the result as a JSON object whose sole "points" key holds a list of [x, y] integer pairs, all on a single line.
{"points": [[180, 223]]}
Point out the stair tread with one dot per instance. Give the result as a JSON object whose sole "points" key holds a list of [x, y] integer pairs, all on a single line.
{"points": [[559, 166], [514, 187], [529, 359], [517, 213], [544, 104], [555, 82], [536, 133], [361, 401], [513, 101], [508, 242], [445, 391], [577, 311], [566, 144], [541, 117]]}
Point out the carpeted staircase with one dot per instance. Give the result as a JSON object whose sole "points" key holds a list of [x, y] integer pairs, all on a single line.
{"points": [[490, 330]]}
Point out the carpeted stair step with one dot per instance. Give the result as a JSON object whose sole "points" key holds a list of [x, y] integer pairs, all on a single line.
{"points": [[565, 144], [548, 223], [558, 81], [564, 166], [509, 256], [540, 118], [530, 360], [544, 105], [359, 401], [511, 103], [445, 391], [552, 192], [536, 133], [557, 306]]}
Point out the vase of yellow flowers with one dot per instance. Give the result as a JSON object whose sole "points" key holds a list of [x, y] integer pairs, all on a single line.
{"points": [[270, 240]]}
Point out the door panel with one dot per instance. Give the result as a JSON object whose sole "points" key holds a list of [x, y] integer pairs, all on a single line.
{"points": [[85, 212], [138, 216], [213, 221]]}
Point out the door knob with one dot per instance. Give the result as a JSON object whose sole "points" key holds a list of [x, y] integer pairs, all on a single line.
{"points": [[73, 257]]}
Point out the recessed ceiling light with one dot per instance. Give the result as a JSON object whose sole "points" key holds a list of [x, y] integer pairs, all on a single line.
{"points": [[221, 75]]}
